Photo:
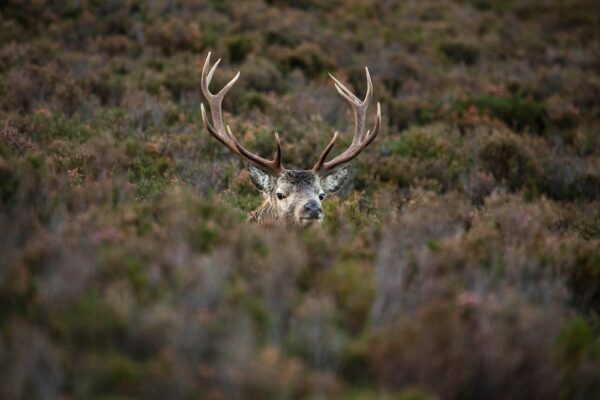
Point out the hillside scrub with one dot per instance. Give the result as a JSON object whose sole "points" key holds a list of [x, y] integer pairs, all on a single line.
{"points": [[462, 261]]}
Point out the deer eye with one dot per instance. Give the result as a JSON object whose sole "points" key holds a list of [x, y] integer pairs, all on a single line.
{"points": [[280, 196], [321, 196]]}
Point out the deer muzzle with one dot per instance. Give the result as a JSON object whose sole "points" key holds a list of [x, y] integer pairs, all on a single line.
{"points": [[312, 210]]}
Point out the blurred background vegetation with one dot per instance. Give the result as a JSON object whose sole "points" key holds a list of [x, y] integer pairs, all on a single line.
{"points": [[462, 263]]}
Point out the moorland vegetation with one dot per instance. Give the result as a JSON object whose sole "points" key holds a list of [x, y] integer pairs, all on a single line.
{"points": [[462, 262]]}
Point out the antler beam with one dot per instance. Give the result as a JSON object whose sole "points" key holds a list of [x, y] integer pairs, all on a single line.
{"points": [[222, 132], [361, 138]]}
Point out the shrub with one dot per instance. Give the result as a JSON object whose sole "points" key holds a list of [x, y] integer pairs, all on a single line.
{"points": [[418, 143], [478, 184], [583, 275], [349, 284], [176, 34], [460, 52], [10, 182], [261, 75], [507, 160], [427, 156], [518, 112], [239, 48], [420, 352], [567, 179], [256, 100], [587, 140], [314, 335], [17, 142], [308, 58], [577, 350]]}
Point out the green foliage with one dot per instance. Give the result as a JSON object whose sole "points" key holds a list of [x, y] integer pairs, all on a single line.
{"points": [[148, 171], [569, 181], [256, 100], [348, 282], [577, 349], [519, 112], [239, 47], [8, 183], [508, 161], [91, 319], [577, 343], [418, 143], [460, 52], [109, 375], [415, 394], [587, 222], [428, 156], [308, 58], [46, 127], [585, 277]]}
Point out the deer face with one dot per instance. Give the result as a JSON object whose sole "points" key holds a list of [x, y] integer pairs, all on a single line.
{"points": [[296, 196]]}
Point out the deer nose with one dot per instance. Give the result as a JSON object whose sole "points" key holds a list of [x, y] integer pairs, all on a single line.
{"points": [[313, 209]]}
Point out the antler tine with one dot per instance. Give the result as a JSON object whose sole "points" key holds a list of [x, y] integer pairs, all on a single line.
{"points": [[213, 131], [353, 151], [217, 127], [361, 138], [325, 152], [273, 165], [359, 107]]}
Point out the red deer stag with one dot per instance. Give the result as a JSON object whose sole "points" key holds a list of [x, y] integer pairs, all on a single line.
{"points": [[292, 196]]}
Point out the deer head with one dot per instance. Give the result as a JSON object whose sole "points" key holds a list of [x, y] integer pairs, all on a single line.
{"points": [[292, 196]]}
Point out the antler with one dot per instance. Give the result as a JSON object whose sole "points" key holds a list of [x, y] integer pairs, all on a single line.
{"points": [[361, 137], [221, 132]]}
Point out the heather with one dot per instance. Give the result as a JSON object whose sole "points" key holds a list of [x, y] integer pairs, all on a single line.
{"points": [[461, 262]]}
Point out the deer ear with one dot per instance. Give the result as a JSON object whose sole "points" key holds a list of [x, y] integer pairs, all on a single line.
{"points": [[333, 181], [261, 179]]}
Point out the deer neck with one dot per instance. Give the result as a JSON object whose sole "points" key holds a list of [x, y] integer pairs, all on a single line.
{"points": [[264, 214]]}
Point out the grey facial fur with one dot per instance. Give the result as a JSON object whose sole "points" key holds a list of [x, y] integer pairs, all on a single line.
{"points": [[294, 196]]}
